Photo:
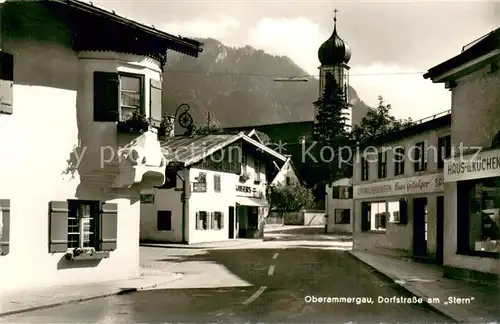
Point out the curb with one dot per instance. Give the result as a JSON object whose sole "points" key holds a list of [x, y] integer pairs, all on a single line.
{"points": [[414, 292], [119, 291], [201, 246]]}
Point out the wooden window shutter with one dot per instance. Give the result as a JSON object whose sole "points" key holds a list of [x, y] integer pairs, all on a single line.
{"points": [[403, 212], [58, 226], [108, 227], [155, 101], [210, 220], [335, 192], [197, 220], [221, 225], [106, 96], [6, 83], [365, 217], [5, 228], [350, 192]]}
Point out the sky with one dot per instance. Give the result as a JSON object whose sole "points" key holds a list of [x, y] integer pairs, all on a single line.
{"points": [[393, 42]]}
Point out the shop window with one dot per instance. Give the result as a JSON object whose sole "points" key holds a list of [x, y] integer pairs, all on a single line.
{"points": [[164, 220], [374, 216], [479, 217], [399, 161], [365, 166], [444, 150], [202, 220], [4, 226], [342, 216], [419, 157], [382, 165]]}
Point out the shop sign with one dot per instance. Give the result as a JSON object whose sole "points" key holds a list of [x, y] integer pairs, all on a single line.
{"points": [[405, 186], [247, 191], [474, 166]]}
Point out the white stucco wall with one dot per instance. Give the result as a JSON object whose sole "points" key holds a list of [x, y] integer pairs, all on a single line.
{"points": [[286, 171], [53, 114], [331, 204], [475, 121], [210, 201]]}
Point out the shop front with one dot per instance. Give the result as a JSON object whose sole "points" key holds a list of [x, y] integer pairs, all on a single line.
{"points": [[251, 208], [401, 217], [472, 236]]}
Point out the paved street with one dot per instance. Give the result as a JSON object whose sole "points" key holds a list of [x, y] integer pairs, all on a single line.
{"points": [[264, 282]]}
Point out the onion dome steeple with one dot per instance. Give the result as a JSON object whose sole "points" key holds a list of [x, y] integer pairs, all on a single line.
{"points": [[334, 50]]}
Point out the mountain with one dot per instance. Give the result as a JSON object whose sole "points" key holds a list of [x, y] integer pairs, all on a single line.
{"points": [[236, 85]]}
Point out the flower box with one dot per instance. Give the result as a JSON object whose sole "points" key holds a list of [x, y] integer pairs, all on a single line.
{"points": [[86, 254], [137, 123]]}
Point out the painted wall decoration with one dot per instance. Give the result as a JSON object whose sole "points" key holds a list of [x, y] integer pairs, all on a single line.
{"points": [[147, 199]]}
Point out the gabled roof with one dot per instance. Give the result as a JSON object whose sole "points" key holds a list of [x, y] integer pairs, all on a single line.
{"points": [[176, 43], [186, 150]]}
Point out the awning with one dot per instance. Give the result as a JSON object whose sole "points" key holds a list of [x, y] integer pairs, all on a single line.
{"points": [[249, 201]]}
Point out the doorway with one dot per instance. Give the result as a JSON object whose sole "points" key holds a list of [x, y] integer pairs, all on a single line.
{"points": [[439, 229], [420, 227], [231, 222]]}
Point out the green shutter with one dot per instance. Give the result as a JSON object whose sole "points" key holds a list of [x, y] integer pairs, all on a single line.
{"points": [[58, 226], [155, 101], [108, 224], [5, 238], [106, 96]]}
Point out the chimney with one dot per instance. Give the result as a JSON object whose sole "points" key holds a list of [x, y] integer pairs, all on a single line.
{"points": [[171, 126]]}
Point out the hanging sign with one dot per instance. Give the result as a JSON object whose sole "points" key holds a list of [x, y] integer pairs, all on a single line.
{"points": [[475, 166]]}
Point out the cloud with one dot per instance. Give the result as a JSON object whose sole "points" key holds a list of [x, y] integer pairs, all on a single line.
{"points": [[297, 38], [410, 95], [218, 28]]}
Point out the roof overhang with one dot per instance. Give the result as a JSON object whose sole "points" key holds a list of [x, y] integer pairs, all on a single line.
{"points": [[485, 50], [165, 40]]}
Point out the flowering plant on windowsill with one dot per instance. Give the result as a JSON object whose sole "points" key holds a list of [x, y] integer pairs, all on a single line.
{"points": [[86, 250], [244, 176], [136, 123]]}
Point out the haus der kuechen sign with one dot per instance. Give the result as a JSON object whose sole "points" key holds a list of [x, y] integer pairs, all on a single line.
{"points": [[475, 166], [404, 186]]}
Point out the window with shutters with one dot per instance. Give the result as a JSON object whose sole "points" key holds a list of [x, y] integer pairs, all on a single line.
{"points": [[419, 157], [82, 224], [342, 216], [4, 226], [217, 183], [6, 83], [119, 95], [202, 220], [341, 192], [130, 95], [364, 169], [164, 220], [382, 165], [217, 221], [399, 161]]}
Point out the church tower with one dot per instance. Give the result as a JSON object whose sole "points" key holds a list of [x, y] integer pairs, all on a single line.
{"points": [[334, 55]]}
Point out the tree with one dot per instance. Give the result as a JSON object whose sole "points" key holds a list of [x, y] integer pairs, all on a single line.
{"points": [[212, 127], [289, 198], [378, 121], [330, 132]]}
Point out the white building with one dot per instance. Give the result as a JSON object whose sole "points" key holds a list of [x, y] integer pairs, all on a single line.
{"points": [[339, 206], [472, 181], [66, 186], [215, 189]]}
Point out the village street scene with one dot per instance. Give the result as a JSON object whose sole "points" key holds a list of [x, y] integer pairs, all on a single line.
{"points": [[152, 177]]}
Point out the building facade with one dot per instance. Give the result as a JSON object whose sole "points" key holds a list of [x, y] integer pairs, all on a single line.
{"points": [[216, 190], [78, 219], [339, 206], [398, 191], [472, 175]]}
